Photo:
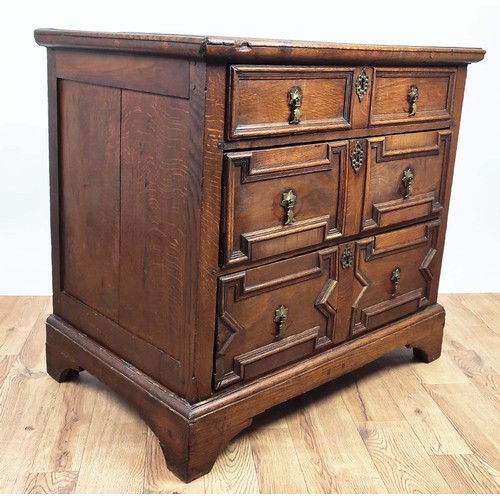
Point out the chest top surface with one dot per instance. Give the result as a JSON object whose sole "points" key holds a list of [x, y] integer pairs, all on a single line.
{"points": [[257, 50]]}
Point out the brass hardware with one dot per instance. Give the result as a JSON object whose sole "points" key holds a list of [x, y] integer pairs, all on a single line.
{"points": [[295, 101], [412, 99], [347, 258], [281, 315], [357, 157], [288, 203], [395, 278], [407, 180], [362, 82]]}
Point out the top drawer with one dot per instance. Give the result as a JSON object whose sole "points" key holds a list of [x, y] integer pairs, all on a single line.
{"points": [[411, 95], [278, 100]]}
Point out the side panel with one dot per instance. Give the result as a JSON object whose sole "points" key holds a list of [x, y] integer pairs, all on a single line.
{"points": [[126, 177], [90, 193], [157, 191]]}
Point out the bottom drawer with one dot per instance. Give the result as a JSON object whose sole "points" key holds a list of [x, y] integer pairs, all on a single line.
{"points": [[393, 276], [276, 314]]}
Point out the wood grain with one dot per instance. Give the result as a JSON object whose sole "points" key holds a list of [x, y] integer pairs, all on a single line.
{"points": [[51, 482], [63, 442], [472, 416], [468, 474], [115, 447], [341, 446], [434, 431], [400, 458], [272, 469], [89, 171], [16, 320], [249, 49]]}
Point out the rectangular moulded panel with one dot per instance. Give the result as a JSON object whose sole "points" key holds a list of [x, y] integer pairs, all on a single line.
{"points": [[158, 193], [257, 221], [391, 88], [89, 170], [259, 100]]}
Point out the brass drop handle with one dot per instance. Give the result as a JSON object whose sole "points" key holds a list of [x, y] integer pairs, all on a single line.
{"points": [[288, 202], [281, 315], [294, 101], [412, 99], [407, 179], [395, 278]]}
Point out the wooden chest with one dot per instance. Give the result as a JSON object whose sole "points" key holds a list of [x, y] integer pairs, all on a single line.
{"points": [[235, 222]]}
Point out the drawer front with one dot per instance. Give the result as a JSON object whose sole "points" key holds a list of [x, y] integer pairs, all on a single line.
{"points": [[282, 199], [275, 314], [277, 100], [393, 276], [411, 95], [405, 177]]}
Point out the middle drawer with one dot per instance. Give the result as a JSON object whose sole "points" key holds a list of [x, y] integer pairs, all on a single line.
{"points": [[283, 199]]}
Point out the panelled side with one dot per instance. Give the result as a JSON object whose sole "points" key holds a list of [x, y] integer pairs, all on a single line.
{"points": [[127, 223]]}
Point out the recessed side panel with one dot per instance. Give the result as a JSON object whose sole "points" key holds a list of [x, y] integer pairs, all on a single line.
{"points": [[158, 192], [89, 169]]}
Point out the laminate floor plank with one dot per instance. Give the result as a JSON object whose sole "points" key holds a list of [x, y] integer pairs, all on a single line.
{"points": [[475, 418], [309, 446], [433, 429], [114, 457], [467, 474], [18, 316], [464, 328], [485, 306], [367, 399], [26, 400], [64, 440], [276, 462], [343, 451], [400, 458], [32, 353], [234, 470], [51, 482]]}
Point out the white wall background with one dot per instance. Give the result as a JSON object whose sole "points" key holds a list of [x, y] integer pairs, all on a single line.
{"points": [[470, 260]]}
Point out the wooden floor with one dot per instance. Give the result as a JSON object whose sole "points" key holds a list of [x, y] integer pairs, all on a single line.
{"points": [[394, 426]]}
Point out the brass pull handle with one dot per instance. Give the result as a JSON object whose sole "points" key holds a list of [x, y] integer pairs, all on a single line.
{"points": [[407, 180], [412, 99], [357, 157], [395, 278], [288, 202], [362, 82], [295, 101], [281, 315]]}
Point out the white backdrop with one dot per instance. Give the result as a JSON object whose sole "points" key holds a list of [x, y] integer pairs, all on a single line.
{"points": [[470, 260]]}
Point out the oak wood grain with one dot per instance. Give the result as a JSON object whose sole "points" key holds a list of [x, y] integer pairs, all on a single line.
{"points": [[400, 459], [248, 49], [51, 482]]}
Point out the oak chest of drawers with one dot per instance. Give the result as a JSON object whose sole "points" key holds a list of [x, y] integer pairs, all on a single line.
{"points": [[235, 222]]}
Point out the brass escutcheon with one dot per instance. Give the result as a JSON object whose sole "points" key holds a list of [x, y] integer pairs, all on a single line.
{"points": [[288, 202], [395, 278], [347, 258], [412, 99], [407, 180], [295, 101], [280, 317], [357, 157], [362, 82]]}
